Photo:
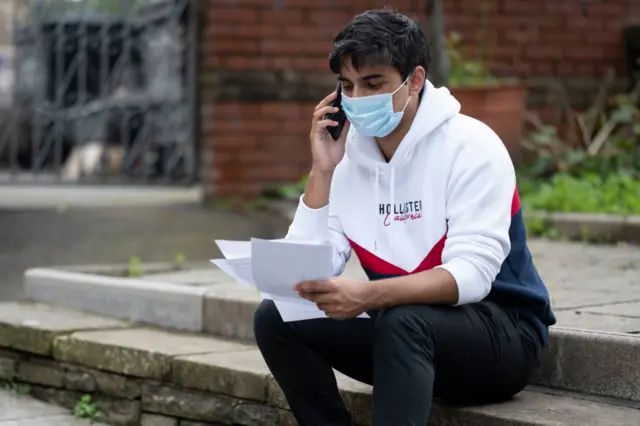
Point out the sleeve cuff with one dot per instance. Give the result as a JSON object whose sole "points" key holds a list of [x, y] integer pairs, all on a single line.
{"points": [[310, 224], [470, 288]]}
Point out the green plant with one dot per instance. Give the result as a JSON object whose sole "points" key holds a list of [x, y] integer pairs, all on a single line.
{"points": [[540, 227], [463, 71], [591, 193], [294, 190], [178, 261], [18, 388], [604, 139], [86, 409], [134, 267], [469, 71]]}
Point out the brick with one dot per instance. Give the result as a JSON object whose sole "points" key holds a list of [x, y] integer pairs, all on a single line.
{"points": [[283, 16], [541, 52], [236, 46], [333, 19], [228, 16]]}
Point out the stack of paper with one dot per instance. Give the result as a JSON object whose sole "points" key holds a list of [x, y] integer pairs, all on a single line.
{"points": [[274, 267]]}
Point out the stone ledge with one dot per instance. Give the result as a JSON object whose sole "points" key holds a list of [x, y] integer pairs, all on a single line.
{"points": [[595, 362], [32, 327], [600, 228], [141, 375], [142, 300]]}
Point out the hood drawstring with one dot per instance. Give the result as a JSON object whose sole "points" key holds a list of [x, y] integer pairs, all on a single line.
{"points": [[376, 189], [392, 187]]}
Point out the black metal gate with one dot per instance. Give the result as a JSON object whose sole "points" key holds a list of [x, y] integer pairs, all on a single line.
{"points": [[100, 91]]}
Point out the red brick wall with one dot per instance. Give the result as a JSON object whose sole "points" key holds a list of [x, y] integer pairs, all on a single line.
{"points": [[263, 65]]}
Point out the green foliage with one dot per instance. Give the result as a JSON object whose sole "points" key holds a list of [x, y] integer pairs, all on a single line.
{"points": [[18, 388], [602, 140], [134, 267], [540, 227], [294, 190], [590, 193], [464, 71], [86, 409], [178, 261]]}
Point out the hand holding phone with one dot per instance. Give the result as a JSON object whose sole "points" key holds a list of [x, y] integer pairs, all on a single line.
{"points": [[329, 126], [339, 117]]}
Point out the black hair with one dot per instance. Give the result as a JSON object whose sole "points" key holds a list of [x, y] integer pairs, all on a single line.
{"points": [[381, 37]]}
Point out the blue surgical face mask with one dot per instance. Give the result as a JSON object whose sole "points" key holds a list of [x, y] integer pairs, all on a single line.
{"points": [[373, 116]]}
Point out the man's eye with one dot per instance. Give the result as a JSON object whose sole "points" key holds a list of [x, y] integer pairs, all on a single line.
{"points": [[373, 86]]}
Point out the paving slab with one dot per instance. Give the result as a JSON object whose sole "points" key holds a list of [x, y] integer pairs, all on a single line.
{"points": [[13, 407], [242, 374], [538, 409], [630, 310], [139, 352], [193, 277], [586, 319], [32, 327], [21, 410]]}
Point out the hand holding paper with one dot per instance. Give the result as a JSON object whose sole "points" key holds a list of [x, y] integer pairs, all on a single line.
{"points": [[338, 297], [274, 267]]}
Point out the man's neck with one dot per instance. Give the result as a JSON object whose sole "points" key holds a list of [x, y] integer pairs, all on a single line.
{"points": [[389, 144]]}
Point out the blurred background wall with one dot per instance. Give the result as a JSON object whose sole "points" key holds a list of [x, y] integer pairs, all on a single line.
{"points": [[263, 66]]}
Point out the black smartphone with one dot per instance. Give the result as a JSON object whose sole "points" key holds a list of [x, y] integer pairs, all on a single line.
{"points": [[338, 116]]}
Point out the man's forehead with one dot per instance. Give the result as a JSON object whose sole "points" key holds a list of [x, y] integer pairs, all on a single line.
{"points": [[363, 74]]}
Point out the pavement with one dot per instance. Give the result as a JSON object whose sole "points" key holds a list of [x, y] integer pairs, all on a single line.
{"points": [[48, 226], [19, 410]]}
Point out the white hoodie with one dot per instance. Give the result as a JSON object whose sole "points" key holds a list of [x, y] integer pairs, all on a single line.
{"points": [[445, 200]]}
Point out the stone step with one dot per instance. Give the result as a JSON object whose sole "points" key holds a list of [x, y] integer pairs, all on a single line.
{"points": [[592, 362], [139, 376]]}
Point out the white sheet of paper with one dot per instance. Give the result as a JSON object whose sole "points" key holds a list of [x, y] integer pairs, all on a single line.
{"points": [[278, 266], [234, 249], [238, 268]]}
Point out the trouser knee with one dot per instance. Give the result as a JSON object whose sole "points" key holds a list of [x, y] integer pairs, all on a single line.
{"points": [[267, 323]]}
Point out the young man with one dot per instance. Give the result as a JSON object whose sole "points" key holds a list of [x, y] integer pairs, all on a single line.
{"points": [[426, 198]]}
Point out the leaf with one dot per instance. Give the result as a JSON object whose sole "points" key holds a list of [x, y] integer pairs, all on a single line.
{"points": [[623, 114]]}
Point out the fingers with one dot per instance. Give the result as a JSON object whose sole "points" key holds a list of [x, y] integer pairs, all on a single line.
{"points": [[345, 130], [326, 123], [333, 311], [326, 101], [320, 113], [314, 286]]}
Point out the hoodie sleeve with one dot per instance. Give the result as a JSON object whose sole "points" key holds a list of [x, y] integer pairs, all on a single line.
{"points": [[321, 226], [480, 193]]}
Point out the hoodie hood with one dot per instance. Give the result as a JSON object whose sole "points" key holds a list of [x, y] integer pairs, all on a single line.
{"points": [[436, 107]]}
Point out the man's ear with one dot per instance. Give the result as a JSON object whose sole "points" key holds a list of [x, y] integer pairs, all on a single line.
{"points": [[416, 81]]}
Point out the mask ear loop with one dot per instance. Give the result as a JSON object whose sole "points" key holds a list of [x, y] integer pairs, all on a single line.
{"points": [[396, 91]]}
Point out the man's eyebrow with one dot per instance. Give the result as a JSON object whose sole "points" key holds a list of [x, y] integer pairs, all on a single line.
{"points": [[364, 78]]}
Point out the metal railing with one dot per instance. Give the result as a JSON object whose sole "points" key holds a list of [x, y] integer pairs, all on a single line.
{"points": [[99, 91]]}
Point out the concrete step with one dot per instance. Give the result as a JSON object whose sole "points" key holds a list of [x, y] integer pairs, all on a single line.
{"points": [[598, 363], [139, 375]]}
